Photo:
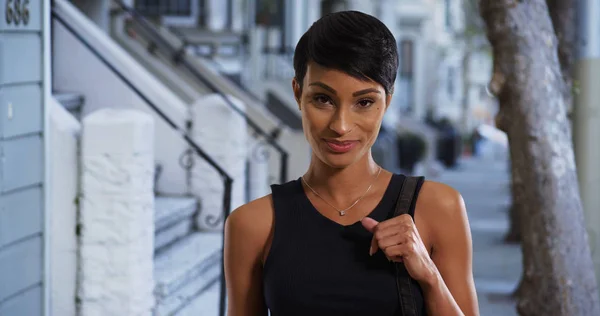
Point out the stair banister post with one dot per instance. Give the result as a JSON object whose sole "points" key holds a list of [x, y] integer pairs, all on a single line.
{"points": [[116, 241]]}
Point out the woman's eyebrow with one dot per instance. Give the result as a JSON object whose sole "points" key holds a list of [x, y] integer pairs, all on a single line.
{"points": [[332, 90], [324, 86], [365, 91]]}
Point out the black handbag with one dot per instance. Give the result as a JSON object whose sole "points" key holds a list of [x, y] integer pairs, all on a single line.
{"points": [[403, 279]]}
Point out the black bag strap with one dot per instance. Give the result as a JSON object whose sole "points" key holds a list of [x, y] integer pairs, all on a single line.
{"points": [[403, 279]]}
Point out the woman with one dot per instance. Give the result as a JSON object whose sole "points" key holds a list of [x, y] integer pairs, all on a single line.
{"points": [[322, 245]]}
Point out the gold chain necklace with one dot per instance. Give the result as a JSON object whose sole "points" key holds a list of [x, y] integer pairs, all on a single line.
{"points": [[343, 212]]}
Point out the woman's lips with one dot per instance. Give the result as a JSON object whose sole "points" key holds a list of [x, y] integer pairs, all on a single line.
{"points": [[340, 147]]}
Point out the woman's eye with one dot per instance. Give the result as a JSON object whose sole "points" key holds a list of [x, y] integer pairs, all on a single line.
{"points": [[365, 103], [322, 99]]}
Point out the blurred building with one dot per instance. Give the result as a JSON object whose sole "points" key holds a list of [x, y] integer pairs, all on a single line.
{"points": [[133, 127]]}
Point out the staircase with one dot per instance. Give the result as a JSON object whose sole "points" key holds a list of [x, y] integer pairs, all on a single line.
{"points": [[186, 261]]}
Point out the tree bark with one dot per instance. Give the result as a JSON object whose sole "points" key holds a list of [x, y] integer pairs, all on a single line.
{"points": [[558, 274], [514, 235], [563, 14]]}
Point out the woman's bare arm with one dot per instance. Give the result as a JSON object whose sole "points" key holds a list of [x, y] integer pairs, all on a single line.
{"points": [[246, 232], [444, 211]]}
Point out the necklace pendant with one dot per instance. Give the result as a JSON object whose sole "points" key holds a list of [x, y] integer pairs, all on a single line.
{"points": [[342, 213]]}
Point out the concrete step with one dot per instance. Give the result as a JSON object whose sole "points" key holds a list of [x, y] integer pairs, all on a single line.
{"points": [[185, 270], [196, 298], [206, 304], [173, 219], [170, 210], [172, 234]]}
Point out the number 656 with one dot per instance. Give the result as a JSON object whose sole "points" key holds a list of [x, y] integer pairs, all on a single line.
{"points": [[17, 11]]}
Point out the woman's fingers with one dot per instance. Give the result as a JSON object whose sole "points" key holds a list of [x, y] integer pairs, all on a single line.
{"points": [[383, 238], [387, 233], [391, 241]]}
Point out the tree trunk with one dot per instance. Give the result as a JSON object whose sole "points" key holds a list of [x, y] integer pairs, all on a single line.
{"points": [[558, 272], [563, 15], [514, 235]]}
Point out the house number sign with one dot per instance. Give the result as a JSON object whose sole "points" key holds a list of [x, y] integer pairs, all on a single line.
{"points": [[17, 11]]}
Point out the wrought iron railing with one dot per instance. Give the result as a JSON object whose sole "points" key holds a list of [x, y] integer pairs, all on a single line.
{"points": [[227, 179], [177, 54]]}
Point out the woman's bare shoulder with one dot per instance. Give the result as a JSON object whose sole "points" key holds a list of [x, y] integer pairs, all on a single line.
{"points": [[442, 207], [251, 222], [440, 197]]}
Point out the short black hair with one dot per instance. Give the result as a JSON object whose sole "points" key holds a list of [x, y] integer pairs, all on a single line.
{"points": [[353, 42]]}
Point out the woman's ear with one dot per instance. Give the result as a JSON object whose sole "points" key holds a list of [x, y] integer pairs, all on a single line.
{"points": [[297, 92]]}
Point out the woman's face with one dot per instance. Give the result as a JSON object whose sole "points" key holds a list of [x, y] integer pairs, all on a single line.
{"points": [[341, 115]]}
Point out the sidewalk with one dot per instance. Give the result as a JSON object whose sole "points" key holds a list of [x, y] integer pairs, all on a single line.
{"points": [[484, 185]]}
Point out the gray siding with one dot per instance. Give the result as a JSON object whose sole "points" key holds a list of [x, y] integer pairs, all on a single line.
{"points": [[21, 267], [20, 215], [21, 163], [22, 110], [20, 57], [28, 302]]}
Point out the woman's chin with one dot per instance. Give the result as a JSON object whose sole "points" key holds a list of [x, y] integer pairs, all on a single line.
{"points": [[338, 161]]}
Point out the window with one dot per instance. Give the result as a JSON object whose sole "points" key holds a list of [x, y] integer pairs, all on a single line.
{"points": [[406, 58], [448, 14], [270, 12], [450, 83], [406, 84], [164, 7], [331, 6]]}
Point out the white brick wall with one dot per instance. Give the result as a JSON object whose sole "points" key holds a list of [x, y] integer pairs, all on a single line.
{"points": [[223, 135], [117, 214]]}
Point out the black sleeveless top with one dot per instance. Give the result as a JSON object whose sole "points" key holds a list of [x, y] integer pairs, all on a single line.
{"points": [[316, 266]]}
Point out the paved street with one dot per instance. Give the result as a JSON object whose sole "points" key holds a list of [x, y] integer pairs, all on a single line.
{"points": [[484, 185]]}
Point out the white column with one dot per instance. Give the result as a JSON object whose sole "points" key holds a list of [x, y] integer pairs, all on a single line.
{"points": [[586, 123], [217, 14], [240, 14], [274, 35], [298, 27], [117, 213], [257, 64], [224, 136], [313, 11], [420, 76], [64, 181], [367, 7]]}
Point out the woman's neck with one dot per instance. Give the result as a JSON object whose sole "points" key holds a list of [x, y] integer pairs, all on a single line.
{"points": [[341, 185]]}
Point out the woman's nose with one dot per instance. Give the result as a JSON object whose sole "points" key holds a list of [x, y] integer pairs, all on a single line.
{"points": [[341, 122]]}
